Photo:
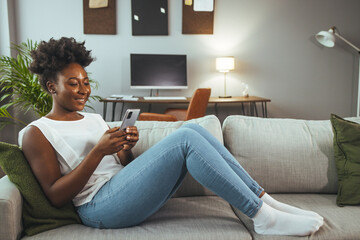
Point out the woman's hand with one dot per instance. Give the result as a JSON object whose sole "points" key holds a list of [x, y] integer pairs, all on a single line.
{"points": [[113, 141], [132, 136]]}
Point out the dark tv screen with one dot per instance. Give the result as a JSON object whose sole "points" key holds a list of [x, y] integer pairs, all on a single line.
{"points": [[158, 71]]}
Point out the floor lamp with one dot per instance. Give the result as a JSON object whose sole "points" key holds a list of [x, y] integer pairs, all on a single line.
{"points": [[327, 38]]}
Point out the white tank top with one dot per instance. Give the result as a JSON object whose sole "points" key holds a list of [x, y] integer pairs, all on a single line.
{"points": [[72, 141]]}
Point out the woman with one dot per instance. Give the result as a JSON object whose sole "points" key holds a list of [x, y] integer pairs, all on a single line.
{"points": [[76, 157]]}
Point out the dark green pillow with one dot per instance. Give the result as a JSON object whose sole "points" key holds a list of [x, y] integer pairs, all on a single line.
{"points": [[347, 159], [38, 213]]}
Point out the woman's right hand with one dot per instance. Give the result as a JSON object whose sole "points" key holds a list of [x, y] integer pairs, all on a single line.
{"points": [[111, 142]]}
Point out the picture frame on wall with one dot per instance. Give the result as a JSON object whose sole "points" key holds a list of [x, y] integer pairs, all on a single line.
{"points": [[198, 17], [149, 17], [100, 20]]}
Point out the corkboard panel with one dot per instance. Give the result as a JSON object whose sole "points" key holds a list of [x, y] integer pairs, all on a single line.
{"points": [[149, 17], [99, 20], [194, 22]]}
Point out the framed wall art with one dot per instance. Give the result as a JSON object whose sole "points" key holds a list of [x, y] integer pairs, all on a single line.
{"points": [[149, 17], [99, 18], [198, 17]]}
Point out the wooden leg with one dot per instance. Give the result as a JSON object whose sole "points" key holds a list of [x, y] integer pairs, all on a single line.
{"points": [[256, 112]]}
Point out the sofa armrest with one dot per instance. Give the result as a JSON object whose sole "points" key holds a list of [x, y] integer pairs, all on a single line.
{"points": [[10, 210]]}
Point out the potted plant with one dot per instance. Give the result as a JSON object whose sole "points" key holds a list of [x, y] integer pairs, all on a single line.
{"points": [[20, 87]]}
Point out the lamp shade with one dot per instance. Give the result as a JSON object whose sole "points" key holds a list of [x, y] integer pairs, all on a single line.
{"points": [[225, 64], [326, 38]]}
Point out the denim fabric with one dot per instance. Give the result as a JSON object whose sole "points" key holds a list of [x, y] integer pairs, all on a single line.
{"points": [[144, 185]]}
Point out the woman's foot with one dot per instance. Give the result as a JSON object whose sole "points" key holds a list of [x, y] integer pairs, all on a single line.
{"points": [[270, 221], [288, 208]]}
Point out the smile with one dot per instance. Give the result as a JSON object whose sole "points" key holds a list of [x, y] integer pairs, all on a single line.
{"points": [[80, 100]]}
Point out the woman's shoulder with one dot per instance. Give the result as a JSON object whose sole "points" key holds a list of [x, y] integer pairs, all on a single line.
{"points": [[37, 130], [30, 134]]}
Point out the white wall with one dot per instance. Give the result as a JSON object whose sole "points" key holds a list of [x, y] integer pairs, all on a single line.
{"points": [[272, 41]]}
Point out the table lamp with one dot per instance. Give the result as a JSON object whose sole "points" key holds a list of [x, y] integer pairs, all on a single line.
{"points": [[225, 64], [327, 39]]}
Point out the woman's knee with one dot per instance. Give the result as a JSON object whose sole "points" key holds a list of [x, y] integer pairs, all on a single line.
{"points": [[193, 126], [185, 132]]}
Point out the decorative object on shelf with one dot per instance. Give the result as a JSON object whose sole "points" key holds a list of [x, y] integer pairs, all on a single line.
{"points": [[246, 90], [149, 17], [328, 39], [99, 20], [225, 65], [198, 17]]}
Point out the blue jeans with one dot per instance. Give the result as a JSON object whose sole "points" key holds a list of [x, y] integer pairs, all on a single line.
{"points": [[144, 185]]}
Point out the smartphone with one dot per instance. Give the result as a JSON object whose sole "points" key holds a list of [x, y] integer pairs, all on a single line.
{"points": [[129, 118]]}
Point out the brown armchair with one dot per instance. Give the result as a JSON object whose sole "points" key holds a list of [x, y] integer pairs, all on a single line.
{"points": [[196, 109]]}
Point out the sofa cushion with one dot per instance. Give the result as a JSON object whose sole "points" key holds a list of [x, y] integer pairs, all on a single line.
{"points": [[180, 218], [38, 213], [284, 155], [150, 132], [347, 152], [339, 223]]}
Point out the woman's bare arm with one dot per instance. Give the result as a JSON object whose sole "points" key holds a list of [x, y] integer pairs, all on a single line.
{"points": [[42, 159]]}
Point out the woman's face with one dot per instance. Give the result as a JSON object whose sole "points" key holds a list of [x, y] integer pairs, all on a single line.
{"points": [[72, 88]]}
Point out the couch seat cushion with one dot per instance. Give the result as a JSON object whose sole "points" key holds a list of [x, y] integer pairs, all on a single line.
{"points": [[339, 222], [180, 218]]}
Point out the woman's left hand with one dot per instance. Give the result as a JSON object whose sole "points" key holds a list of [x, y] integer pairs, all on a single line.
{"points": [[132, 136]]}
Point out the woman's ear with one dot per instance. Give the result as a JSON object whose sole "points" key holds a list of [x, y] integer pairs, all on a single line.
{"points": [[51, 87]]}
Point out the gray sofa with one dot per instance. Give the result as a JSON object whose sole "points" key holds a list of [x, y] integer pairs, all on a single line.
{"points": [[292, 159]]}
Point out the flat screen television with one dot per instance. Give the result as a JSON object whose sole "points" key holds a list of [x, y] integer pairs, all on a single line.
{"points": [[158, 71]]}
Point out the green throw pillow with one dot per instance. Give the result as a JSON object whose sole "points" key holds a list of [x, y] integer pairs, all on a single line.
{"points": [[38, 213], [347, 159]]}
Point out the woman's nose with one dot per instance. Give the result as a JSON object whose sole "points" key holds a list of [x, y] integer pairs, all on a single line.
{"points": [[83, 89]]}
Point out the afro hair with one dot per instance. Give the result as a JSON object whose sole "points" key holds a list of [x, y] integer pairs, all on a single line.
{"points": [[51, 57]]}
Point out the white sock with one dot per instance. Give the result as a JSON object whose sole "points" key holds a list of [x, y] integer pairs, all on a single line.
{"points": [[287, 208], [270, 221]]}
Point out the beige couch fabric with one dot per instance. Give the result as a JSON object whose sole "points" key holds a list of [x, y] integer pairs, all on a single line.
{"points": [[284, 155], [339, 222], [180, 218]]}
